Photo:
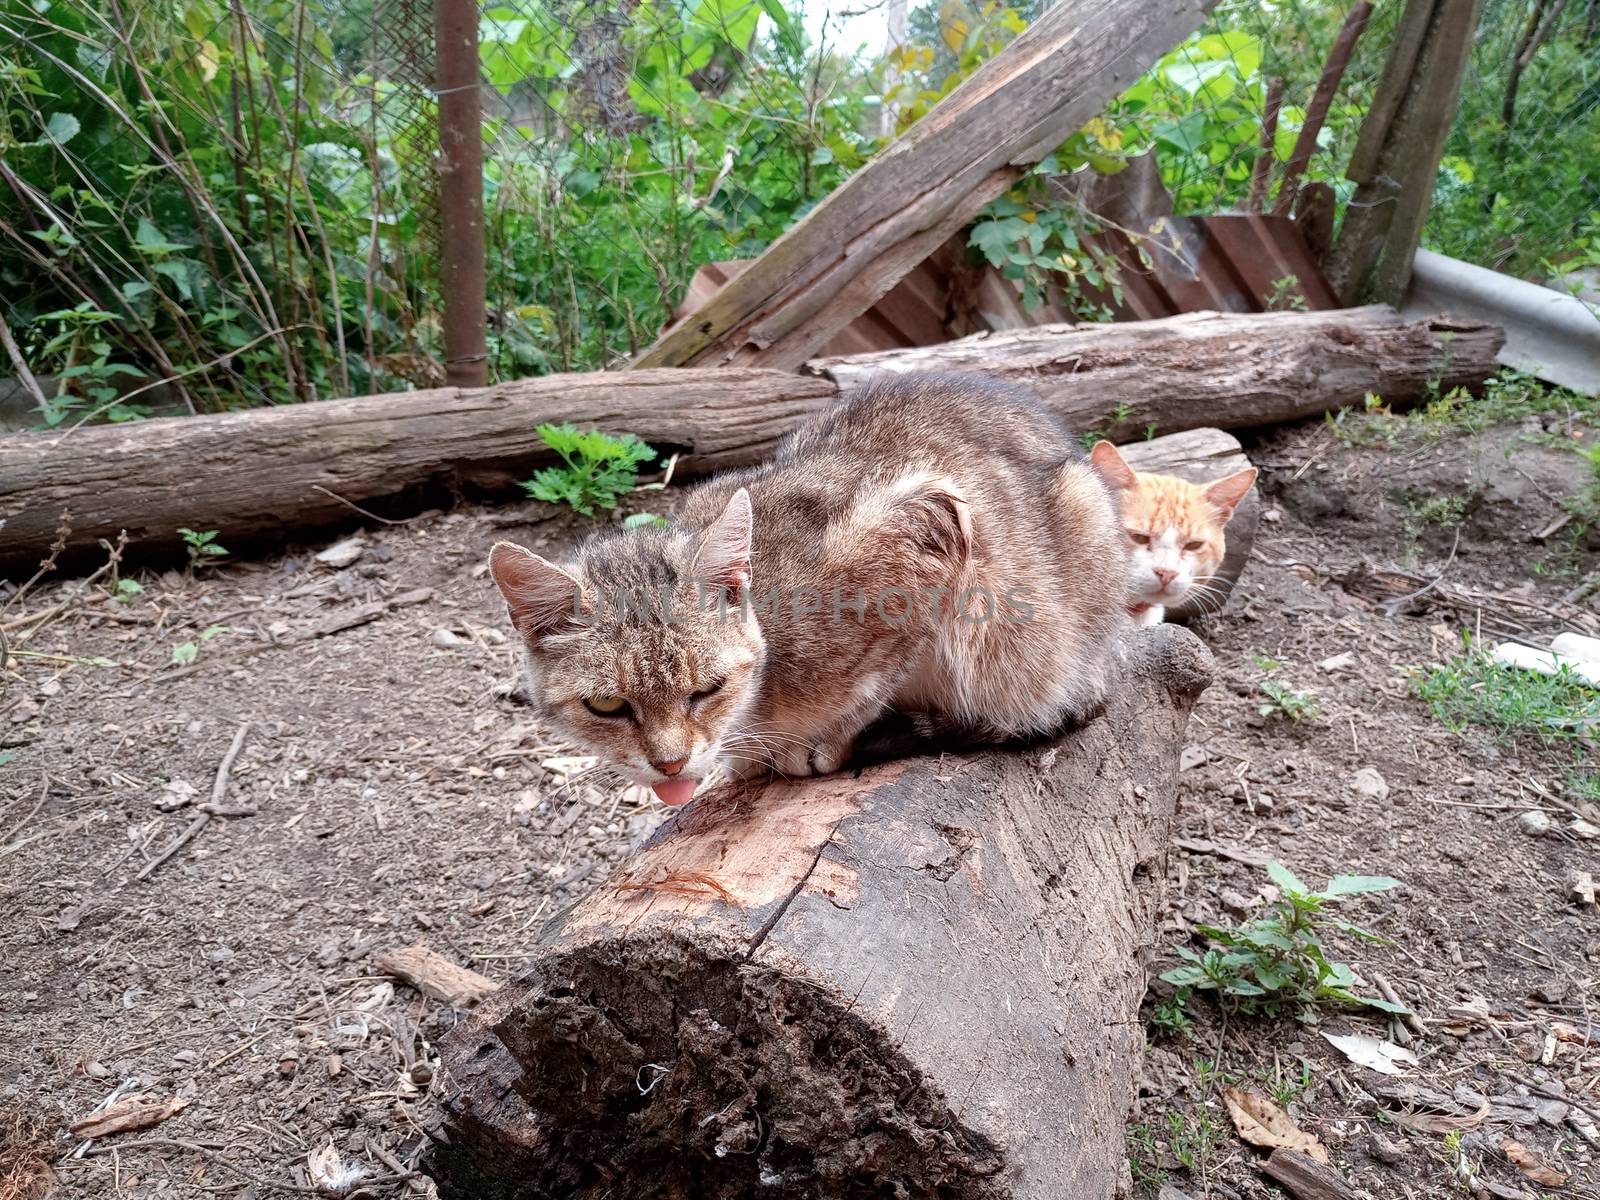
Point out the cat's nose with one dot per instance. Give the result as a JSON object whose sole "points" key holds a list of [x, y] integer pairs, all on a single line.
{"points": [[1166, 575], [670, 768]]}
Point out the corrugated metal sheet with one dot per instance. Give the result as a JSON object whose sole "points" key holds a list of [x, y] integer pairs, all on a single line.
{"points": [[1232, 263]]}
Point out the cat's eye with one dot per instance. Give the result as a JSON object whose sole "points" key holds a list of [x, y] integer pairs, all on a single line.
{"points": [[706, 692], [1193, 547], [1139, 539], [607, 706]]}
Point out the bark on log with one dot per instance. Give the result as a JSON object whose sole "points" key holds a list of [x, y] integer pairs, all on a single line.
{"points": [[920, 980], [1230, 370], [275, 474], [845, 254]]}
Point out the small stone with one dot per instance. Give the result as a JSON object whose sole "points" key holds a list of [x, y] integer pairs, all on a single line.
{"points": [[1192, 757], [1339, 662], [1584, 830], [288, 1066], [1581, 887], [344, 553], [1369, 783], [1534, 823], [1384, 1150], [1272, 516], [95, 1069], [421, 1073], [447, 639], [185, 1056], [1235, 903], [333, 1064], [50, 687]]}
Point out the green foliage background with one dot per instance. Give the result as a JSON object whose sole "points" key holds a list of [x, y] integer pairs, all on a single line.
{"points": [[236, 195]]}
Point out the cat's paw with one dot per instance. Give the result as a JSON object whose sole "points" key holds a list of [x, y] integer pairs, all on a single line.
{"points": [[800, 762]]}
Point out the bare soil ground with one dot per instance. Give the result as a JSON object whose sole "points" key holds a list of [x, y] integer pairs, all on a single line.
{"points": [[397, 793]]}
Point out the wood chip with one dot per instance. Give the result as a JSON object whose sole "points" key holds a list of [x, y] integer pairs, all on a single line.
{"points": [[1304, 1178], [434, 975], [1262, 1123], [1530, 1164], [134, 1112]]}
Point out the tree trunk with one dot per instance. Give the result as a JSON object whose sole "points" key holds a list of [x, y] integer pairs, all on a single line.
{"points": [[923, 979], [849, 250], [270, 475]]}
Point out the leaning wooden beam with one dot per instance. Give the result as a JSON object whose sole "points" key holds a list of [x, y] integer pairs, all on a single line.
{"points": [[920, 980], [1231, 370], [270, 475], [894, 212]]}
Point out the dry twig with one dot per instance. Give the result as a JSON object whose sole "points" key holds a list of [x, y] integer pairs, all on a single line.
{"points": [[219, 789]]}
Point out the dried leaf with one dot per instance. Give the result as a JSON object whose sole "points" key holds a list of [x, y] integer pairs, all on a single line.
{"points": [[1530, 1164], [134, 1112], [1439, 1122], [1262, 1123], [1373, 1053]]}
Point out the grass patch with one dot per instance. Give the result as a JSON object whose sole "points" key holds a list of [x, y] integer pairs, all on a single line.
{"points": [[1470, 690]]}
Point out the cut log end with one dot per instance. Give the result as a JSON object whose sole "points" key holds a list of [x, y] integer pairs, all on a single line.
{"points": [[921, 979]]}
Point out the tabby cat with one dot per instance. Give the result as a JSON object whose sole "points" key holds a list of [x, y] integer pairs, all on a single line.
{"points": [[1174, 530], [935, 545]]}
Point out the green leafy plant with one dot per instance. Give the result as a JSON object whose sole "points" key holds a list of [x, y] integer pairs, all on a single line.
{"points": [[1171, 1019], [202, 546], [597, 469], [1285, 703], [1279, 960], [186, 652], [1285, 295], [126, 590]]}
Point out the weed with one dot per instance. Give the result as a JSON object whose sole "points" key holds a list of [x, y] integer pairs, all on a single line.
{"points": [[1436, 512], [202, 546], [1193, 1144], [1143, 1156], [1284, 298], [1286, 703], [126, 590], [1286, 1089], [1471, 689], [1090, 436], [186, 652], [1265, 662], [1170, 1019], [1278, 960], [1150, 432], [597, 471]]}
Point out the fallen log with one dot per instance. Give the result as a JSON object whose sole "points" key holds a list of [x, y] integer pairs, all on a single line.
{"points": [[269, 475], [1230, 370], [922, 979], [882, 222]]}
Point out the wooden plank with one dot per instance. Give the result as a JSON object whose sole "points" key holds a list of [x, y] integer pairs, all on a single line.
{"points": [[890, 215]]}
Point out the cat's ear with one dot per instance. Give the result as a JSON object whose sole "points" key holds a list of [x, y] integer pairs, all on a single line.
{"points": [[540, 595], [938, 514], [1113, 468], [723, 559], [1224, 495]]}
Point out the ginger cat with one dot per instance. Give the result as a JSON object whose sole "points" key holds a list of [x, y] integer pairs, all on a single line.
{"points": [[1174, 531], [934, 545]]}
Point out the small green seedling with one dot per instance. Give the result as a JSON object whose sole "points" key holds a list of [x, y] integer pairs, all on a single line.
{"points": [[597, 471], [201, 545], [1284, 702], [644, 521], [186, 652], [1279, 960], [126, 590]]}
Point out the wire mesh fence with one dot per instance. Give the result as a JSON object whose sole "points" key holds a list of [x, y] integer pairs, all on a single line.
{"points": [[241, 198], [1519, 187]]}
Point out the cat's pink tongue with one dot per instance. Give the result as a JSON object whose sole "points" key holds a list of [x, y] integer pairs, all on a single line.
{"points": [[675, 791]]}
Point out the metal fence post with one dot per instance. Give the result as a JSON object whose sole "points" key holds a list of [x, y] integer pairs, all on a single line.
{"points": [[461, 232]]}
